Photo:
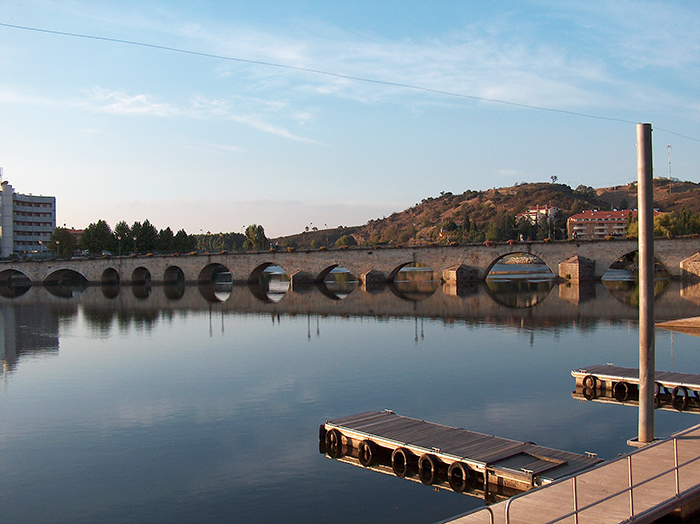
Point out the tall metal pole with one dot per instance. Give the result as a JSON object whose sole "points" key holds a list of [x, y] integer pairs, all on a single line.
{"points": [[645, 217]]}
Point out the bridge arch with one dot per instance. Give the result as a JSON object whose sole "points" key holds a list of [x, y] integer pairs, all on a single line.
{"points": [[65, 277], [9, 276], [628, 260], [414, 281], [65, 283], [212, 272], [174, 282], [215, 282], [268, 284], [173, 275], [141, 277], [336, 282], [514, 255], [110, 276], [321, 277], [13, 283], [257, 274]]}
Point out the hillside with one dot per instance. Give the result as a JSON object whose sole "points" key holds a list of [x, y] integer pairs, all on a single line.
{"points": [[475, 216]]}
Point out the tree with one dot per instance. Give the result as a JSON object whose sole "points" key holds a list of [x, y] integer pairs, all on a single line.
{"points": [[122, 235], [147, 239], [97, 238], [166, 240], [184, 243], [346, 240], [255, 238], [577, 207], [62, 242]]}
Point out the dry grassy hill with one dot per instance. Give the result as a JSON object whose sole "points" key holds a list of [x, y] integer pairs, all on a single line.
{"points": [[450, 216]]}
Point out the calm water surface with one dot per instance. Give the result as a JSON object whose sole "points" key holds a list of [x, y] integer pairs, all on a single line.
{"points": [[144, 408]]}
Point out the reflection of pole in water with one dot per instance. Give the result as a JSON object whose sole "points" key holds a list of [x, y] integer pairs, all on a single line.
{"points": [[222, 322], [422, 334], [318, 327], [211, 328], [308, 326], [671, 348]]}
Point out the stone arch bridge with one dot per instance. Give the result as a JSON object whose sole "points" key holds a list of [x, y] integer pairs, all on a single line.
{"points": [[571, 260]]}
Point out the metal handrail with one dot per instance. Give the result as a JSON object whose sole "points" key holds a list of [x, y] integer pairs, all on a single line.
{"points": [[630, 488]]}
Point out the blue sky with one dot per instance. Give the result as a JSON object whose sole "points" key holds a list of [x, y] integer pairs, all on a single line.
{"points": [[118, 131]]}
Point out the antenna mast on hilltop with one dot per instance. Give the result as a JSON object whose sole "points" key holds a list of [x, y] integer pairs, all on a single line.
{"points": [[669, 161]]}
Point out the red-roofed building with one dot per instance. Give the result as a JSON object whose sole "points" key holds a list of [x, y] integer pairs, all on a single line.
{"points": [[590, 225]]}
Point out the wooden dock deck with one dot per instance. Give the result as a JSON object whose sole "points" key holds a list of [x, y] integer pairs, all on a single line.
{"points": [[642, 486], [434, 453], [622, 384]]}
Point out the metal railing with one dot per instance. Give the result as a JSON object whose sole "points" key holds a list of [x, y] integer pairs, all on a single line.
{"points": [[629, 489]]}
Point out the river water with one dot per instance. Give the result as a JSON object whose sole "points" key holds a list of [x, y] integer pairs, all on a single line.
{"points": [[203, 404]]}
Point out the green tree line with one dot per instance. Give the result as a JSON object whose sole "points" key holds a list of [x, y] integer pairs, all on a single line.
{"points": [[140, 237]]}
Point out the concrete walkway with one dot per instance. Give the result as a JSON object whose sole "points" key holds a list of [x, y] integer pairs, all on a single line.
{"points": [[602, 494]]}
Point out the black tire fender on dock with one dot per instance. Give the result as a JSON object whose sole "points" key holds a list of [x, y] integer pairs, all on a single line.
{"points": [[458, 475], [367, 452], [401, 459], [322, 433], [621, 391], [589, 381], [427, 468], [333, 438], [683, 397]]}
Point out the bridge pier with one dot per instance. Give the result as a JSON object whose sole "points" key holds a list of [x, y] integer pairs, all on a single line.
{"points": [[577, 269], [690, 267], [300, 280]]}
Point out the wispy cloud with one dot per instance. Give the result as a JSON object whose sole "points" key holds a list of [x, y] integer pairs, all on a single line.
{"points": [[120, 103], [116, 102]]}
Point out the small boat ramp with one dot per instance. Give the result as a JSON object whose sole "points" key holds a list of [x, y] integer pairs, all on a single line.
{"points": [[678, 390], [436, 453]]}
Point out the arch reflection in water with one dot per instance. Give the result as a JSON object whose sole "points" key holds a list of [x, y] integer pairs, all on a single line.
{"points": [[110, 290], [65, 283], [519, 280], [627, 290], [338, 283], [414, 282]]}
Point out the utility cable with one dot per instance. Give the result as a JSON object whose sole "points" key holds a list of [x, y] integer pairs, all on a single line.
{"points": [[334, 75]]}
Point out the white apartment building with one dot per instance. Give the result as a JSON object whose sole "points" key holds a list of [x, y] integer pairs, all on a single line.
{"points": [[26, 221]]}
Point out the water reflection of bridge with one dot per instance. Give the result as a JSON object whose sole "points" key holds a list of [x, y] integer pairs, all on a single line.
{"points": [[553, 305]]}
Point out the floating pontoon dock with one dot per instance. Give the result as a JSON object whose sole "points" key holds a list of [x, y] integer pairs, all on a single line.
{"points": [[622, 384], [433, 451]]}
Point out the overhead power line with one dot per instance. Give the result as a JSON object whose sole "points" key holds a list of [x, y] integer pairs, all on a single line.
{"points": [[334, 75]]}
